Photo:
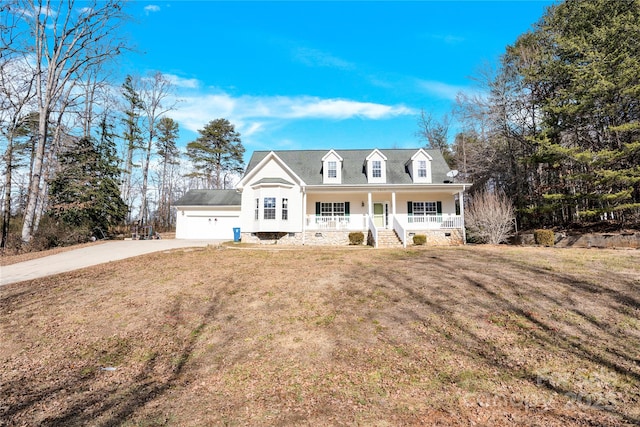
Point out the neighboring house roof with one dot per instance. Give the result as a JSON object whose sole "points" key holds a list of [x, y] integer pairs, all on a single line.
{"points": [[307, 164], [210, 198]]}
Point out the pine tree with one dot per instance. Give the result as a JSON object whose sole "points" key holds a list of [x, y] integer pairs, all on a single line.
{"points": [[132, 135], [217, 152], [84, 192], [560, 128], [169, 157], [591, 138]]}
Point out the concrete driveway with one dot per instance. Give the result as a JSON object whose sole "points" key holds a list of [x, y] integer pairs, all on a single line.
{"points": [[91, 255]]}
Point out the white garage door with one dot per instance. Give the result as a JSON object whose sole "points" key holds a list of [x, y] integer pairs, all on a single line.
{"points": [[208, 227]]}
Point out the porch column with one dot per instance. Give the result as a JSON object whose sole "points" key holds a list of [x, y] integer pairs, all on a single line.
{"points": [[304, 216], [464, 230], [393, 204], [369, 205]]}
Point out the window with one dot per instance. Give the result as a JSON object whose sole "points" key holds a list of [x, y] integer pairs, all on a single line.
{"points": [[269, 208], [285, 209], [422, 168], [332, 170], [257, 216], [425, 208], [332, 209], [376, 169]]}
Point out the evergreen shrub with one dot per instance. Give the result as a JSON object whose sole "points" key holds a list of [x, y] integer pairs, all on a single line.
{"points": [[544, 237], [356, 238], [419, 239]]}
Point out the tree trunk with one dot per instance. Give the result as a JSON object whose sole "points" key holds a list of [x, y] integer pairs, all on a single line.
{"points": [[6, 213], [145, 179], [35, 190]]}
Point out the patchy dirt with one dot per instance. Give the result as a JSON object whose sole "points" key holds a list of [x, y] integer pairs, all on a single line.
{"points": [[433, 336]]}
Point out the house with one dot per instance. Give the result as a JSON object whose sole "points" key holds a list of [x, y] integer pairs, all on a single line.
{"points": [[317, 197], [208, 214]]}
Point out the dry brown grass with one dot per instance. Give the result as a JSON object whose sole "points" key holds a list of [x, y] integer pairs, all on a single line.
{"points": [[434, 336]]}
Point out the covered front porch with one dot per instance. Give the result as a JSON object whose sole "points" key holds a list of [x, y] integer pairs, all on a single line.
{"points": [[407, 211], [359, 222]]}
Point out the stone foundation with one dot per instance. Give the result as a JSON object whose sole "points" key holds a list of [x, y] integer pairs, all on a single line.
{"points": [[272, 238], [341, 238], [438, 237], [311, 238]]}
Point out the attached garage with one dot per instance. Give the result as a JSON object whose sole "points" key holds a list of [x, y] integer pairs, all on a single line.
{"points": [[208, 214]]}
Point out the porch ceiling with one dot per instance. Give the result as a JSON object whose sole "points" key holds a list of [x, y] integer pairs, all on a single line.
{"points": [[411, 188]]}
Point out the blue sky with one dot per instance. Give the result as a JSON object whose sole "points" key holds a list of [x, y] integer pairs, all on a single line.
{"points": [[320, 75]]}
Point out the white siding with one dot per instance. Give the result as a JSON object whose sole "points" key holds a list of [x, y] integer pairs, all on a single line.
{"points": [[376, 156], [421, 155], [252, 191], [207, 223]]}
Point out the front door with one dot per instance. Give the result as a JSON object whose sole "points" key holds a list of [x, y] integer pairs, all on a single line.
{"points": [[379, 215]]}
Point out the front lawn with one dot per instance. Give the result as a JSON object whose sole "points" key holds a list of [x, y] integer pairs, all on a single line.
{"points": [[328, 336]]}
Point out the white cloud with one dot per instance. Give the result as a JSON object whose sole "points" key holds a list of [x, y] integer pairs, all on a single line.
{"points": [[195, 112], [151, 8], [33, 12], [440, 89], [253, 114], [310, 107], [318, 58], [253, 128], [180, 82]]}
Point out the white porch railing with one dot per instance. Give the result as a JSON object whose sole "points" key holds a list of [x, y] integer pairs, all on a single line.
{"points": [[374, 231], [400, 231], [400, 222], [336, 222], [433, 221]]}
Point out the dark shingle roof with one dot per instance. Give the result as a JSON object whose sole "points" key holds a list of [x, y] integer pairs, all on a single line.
{"points": [[210, 198], [307, 164]]}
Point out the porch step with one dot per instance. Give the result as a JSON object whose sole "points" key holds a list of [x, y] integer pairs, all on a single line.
{"points": [[388, 239]]}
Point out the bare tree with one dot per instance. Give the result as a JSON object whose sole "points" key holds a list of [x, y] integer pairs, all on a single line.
{"points": [[489, 217], [155, 93], [94, 90], [16, 93], [436, 134], [68, 39]]}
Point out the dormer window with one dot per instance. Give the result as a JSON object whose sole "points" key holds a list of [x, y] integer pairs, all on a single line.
{"points": [[419, 167], [422, 168], [376, 168], [332, 168], [332, 171]]}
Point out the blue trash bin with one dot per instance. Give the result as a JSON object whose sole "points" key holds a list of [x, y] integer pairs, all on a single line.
{"points": [[236, 234]]}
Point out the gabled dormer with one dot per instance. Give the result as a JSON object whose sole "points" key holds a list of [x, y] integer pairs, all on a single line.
{"points": [[420, 167], [376, 167], [332, 168]]}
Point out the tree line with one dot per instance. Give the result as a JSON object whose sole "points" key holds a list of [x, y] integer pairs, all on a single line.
{"points": [[83, 153], [556, 125]]}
